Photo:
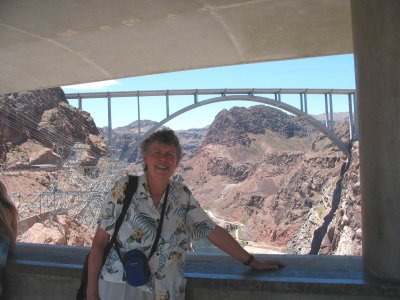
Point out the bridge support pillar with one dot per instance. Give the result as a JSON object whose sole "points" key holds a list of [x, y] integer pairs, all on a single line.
{"points": [[376, 27]]}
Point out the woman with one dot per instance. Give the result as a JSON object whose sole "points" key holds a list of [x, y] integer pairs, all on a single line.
{"points": [[8, 228], [184, 219]]}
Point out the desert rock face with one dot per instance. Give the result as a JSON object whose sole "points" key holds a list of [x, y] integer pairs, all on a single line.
{"points": [[280, 187], [59, 230], [285, 183], [125, 138], [234, 126], [344, 234], [21, 112], [39, 127]]}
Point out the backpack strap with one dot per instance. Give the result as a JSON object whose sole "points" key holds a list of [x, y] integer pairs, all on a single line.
{"points": [[155, 243], [158, 234], [129, 191]]}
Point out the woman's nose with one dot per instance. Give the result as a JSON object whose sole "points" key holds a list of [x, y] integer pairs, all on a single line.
{"points": [[163, 156]]}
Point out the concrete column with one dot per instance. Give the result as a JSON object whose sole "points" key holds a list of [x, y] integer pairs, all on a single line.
{"points": [[376, 34]]}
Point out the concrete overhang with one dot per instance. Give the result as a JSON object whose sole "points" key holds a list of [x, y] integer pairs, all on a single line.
{"points": [[48, 43]]}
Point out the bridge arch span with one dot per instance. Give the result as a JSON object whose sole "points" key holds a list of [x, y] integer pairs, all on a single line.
{"points": [[318, 125]]}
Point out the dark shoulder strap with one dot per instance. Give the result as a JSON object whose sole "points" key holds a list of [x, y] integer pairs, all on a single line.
{"points": [[129, 191], [158, 234]]}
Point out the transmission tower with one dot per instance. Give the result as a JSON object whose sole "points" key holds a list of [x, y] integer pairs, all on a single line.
{"points": [[81, 190]]}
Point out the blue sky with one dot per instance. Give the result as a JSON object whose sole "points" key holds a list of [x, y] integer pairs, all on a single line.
{"points": [[330, 72]]}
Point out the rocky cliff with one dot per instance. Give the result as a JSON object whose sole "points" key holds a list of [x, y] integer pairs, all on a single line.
{"points": [[287, 184], [234, 126], [39, 127], [124, 138]]}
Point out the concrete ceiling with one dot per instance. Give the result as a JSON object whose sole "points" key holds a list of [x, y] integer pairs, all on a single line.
{"points": [[48, 43]]}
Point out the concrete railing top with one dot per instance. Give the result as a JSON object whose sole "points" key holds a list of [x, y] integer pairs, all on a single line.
{"points": [[42, 271]]}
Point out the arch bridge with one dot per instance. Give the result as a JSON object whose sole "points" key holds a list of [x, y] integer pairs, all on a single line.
{"points": [[271, 97]]}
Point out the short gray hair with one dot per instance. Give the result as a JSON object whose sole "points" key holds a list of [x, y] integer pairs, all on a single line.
{"points": [[166, 136]]}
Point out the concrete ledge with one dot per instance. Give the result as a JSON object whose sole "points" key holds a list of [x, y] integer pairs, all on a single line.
{"points": [[44, 272], [306, 277], [53, 272]]}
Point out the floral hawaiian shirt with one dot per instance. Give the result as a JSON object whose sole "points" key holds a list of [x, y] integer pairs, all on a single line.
{"points": [[184, 220]]}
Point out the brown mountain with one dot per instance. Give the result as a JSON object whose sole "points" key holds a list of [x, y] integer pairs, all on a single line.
{"points": [[123, 138], [279, 178], [234, 126], [39, 127]]}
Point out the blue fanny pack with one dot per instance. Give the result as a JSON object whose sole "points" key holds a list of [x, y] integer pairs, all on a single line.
{"points": [[137, 271]]}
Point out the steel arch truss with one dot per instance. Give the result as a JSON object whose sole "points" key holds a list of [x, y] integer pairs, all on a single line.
{"points": [[318, 125]]}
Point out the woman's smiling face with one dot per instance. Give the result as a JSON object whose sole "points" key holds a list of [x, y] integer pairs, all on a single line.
{"points": [[161, 161]]}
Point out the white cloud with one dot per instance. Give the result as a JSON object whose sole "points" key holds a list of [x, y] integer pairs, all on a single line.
{"points": [[92, 85]]}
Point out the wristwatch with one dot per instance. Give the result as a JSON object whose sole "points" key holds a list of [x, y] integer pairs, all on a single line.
{"points": [[248, 262]]}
